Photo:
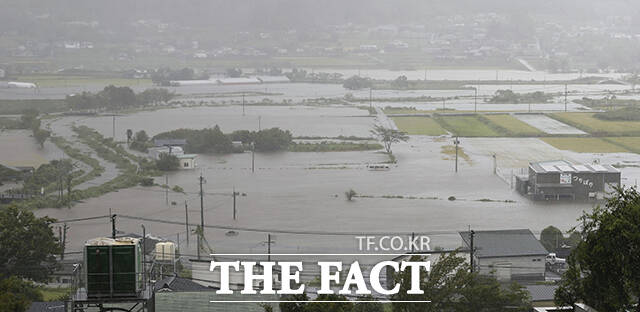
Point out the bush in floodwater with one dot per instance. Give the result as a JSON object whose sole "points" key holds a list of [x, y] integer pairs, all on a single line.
{"points": [[146, 182], [178, 189], [350, 194], [452, 198]]}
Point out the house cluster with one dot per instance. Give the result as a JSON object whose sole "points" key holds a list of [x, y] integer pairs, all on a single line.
{"points": [[173, 147]]}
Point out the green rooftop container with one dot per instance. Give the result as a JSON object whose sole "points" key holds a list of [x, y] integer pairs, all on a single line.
{"points": [[113, 267]]}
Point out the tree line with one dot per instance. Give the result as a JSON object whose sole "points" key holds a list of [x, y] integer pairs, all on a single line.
{"points": [[213, 140], [510, 97], [117, 98]]}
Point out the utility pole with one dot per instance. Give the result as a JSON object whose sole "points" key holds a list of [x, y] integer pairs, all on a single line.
{"points": [[242, 103], [113, 226], [443, 101], [565, 97], [259, 123], [253, 157], [475, 102], [370, 99], [60, 238], [69, 179], [234, 203], [166, 189], [201, 215], [186, 220], [64, 240], [144, 254], [495, 164], [472, 233], [456, 142]]}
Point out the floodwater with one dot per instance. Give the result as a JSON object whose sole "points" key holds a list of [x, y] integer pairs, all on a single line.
{"points": [[19, 148], [304, 192], [300, 120], [467, 74], [548, 125]]}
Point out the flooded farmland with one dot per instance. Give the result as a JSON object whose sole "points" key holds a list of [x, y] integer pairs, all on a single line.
{"points": [[413, 196]]}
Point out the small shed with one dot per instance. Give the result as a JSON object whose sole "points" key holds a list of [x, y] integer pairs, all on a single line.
{"points": [[187, 161]]}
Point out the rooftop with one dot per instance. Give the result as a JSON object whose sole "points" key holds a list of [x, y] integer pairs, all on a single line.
{"points": [[169, 142], [505, 243], [562, 166]]}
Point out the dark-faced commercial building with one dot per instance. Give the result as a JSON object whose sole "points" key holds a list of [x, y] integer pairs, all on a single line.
{"points": [[555, 180]]}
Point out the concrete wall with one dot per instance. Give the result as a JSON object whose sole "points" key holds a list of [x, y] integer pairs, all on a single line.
{"points": [[513, 268]]}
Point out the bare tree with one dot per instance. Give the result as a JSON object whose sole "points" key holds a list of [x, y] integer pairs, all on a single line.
{"points": [[389, 136]]}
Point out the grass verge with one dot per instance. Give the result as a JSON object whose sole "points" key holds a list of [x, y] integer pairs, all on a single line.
{"points": [[326, 146]]}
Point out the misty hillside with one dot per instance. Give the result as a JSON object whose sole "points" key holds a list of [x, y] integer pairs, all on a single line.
{"points": [[248, 14]]}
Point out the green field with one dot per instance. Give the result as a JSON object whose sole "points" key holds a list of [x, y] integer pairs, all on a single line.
{"points": [[632, 144], [513, 125], [419, 126], [468, 126], [586, 145], [595, 126]]}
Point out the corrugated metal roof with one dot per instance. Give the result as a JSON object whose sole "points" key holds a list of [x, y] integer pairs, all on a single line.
{"points": [[556, 166], [505, 243], [566, 168], [582, 168], [550, 168]]}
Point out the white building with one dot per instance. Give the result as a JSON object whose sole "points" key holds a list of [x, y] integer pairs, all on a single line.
{"points": [[187, 161], [155, 152]]}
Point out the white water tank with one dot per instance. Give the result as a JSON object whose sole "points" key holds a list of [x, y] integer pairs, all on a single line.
{"points": [[165, 251]]}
